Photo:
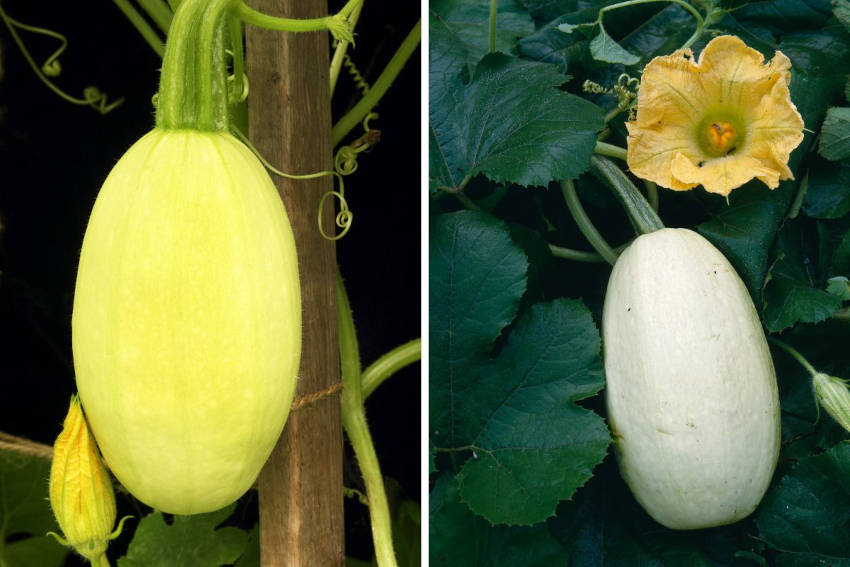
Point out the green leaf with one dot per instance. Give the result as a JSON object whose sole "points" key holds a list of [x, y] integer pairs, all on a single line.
{"points": [[839, 286], [570, 28], [603, 48], [459, 538], [251, 557], [828, 190], [791, 294], [806, 515], [835, 135], [464, 27], [189, 541], [25, 513], [477, 277], [744, 230], [841, 9], [515, 415], [514, 125]]}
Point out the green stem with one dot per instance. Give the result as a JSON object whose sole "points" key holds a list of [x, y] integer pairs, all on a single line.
{"points": [[100, 561], [611, 150], [342, 47], [193, 85], [612, 114], [159, 12], [694, 12], [238, 59], [494, 10], [643, 217], [795, 353], [354, 423], [389, 364], [584, 223], [581, 255], [370, 99], [651, 194], [255, 18], [142, 26]]}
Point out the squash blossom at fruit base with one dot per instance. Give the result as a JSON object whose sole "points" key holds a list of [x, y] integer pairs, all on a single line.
{"points": [[833, 396], [80, 489], [718, 122]]}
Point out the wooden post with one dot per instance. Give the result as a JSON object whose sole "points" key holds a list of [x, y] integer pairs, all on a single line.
{"points": [[301, 501]]}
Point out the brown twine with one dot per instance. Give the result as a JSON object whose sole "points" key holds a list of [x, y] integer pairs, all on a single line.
{"points": [[24, 446], [302, 401]]}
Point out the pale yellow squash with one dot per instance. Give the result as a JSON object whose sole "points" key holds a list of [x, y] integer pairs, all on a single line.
{"points": [[691, 391], [187, 320]]}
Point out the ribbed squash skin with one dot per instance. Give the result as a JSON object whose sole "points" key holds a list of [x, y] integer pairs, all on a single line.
{"points": [[187, 320], [691, 391]]}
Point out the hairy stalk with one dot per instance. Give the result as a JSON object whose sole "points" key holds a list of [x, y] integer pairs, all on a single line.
{"points": [[610, 150], [494, 10], [354, 423], [389, 364], [342, 47], [795, 353]]}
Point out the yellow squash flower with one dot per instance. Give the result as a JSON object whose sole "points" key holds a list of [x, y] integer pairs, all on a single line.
{"points": [[80, 488], [718, 122]]}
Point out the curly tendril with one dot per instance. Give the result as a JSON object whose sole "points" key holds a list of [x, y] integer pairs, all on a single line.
{"points": [[51, 67], [343, 218], [358, 79]]}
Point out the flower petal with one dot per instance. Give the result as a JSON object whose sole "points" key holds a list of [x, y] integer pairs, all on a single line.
{"points": [[721, 175], [670, 90], [651, 149], [735, 75]]}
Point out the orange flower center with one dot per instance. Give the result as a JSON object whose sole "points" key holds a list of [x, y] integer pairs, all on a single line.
{"points": [[721, 136]]}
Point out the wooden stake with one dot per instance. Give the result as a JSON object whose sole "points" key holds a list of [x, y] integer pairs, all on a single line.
{"points": [[301, 502]]}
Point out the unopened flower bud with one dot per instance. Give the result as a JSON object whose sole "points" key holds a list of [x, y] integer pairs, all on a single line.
{"points": [[833, 396], [80, 488]]}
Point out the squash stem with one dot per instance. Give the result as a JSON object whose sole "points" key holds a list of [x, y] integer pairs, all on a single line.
{"points": [[389, 364], [354, 423], [584, 223], [192, 91], [643, 217], [795, 353], [494, 11]]}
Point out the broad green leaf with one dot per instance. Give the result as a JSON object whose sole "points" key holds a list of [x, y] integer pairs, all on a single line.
{"points": [[839, 286], [828, 190], [745, 229], [833, 248], [189, 541], [662, 34], [532, 445], [841, 9], [528, 444], [835, 136], [251, 557], [791, 294], [603, 48], [806, 515], [785, 15], [460, 538], [464, 26], [25, 513], [477, 277], [512, 124]]}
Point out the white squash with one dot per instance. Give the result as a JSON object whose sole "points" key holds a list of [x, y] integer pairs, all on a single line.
{"points": [[691, 391]]}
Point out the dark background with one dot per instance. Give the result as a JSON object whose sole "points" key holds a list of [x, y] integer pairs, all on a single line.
{"points": [[54, 156]]}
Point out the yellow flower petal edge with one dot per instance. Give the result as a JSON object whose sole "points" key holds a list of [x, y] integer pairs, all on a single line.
{"points": [[719, 121], [81, 491]]}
